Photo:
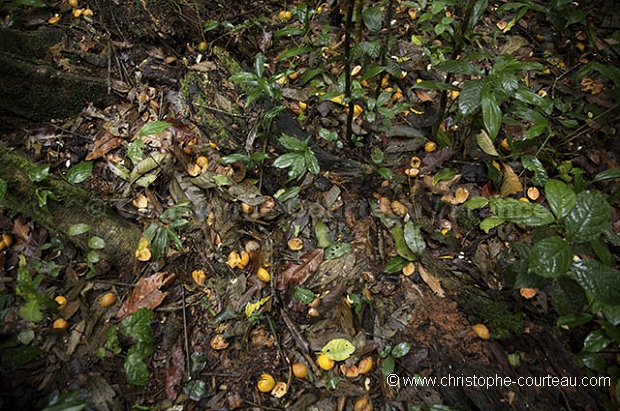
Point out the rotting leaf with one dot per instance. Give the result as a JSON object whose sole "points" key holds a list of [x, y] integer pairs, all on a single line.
{"points": [[486, 144], [433, 282], [251, 308], [297, 274], [511, 184], [146, 294], [174, 372], [338, 349]]}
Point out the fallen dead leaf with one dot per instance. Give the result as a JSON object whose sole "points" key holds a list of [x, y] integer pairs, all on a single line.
{"points": [[433, 282], [511, 184], [146, 294], [296, 274], [174, 372]]}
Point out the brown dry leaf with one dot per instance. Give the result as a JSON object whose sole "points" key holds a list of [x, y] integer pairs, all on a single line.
{"points": [[433, 282], [146, 294], [295, 274], [423, 96], [174, 372], [103, 145], [511, 184]]}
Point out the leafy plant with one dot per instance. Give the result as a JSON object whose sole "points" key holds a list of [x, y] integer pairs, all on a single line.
{"points": [[390, 355], [94, 243], [160, 233], [300, 158], [28, 288]]}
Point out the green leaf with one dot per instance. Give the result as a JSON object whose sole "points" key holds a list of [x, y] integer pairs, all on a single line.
{"points": [[259, 65], [444, 174], [376, 156], [77, 229], [596, 341], [551, 257], [486, 144], [469, 98], [210, 25], [154, 127], [588, 218], [434, 85], [532, 163], [475, 203], [26, 336], [283, 195], [311, 162], [337, 250], [371, 72], [610, 174], [520, 212], [401, 349], [92, 257], [135, 151], [527, 96], [413, 238], [479, 8], [385, 173], [96, 243], [601, 281], [136, 370], [459, 67], [293, 143], [574, 320], [338, 349], [387, 366], [561, 197], [371, 49], [196, 390], [296, 51], [288, 159], [3, 187], [138, 325], [402, 249], [372, 18], [79, 172], [395, 264], [304, 295], [31, 311], [490, 223], [39, 173], [321, 233], [491, 114]]}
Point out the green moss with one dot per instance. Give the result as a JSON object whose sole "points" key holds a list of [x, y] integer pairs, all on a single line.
{"points": [[494, 313]]}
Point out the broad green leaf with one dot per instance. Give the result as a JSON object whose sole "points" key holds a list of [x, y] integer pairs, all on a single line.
{"points": [[532, 163], [602, 251], [96, 243], [153, 161], [372, 18], [338, 349], [93, 257], [417, 39], [459, 67], [136, 370], [26, 336], [527, 96], [39, 173], [520, 212], [259, 65], [385, 173], [574, 320], [402, 249], [285, 194], [293, 143], [387, 366], [311, 162], [251, 308], [288, 159], [310, 74], [210, 25], [561, 197], [444, 174], [491, 114], [395, 264], [567, 296], [77, 229], [31, 311], [596, 341], [138, 325], [588, 218], [490, 223], [401, 349], [601, 281], [79, 172], [3, 187], [322, 234], [475, 203], [479, 8], [486, 144], [154, 127], [376, 156], [337, 250], [610, 174], [196, 390], [296, 51], [413, 238], [371, 49], [304, 295], [551, 257], [135, 151], [469, 98]]}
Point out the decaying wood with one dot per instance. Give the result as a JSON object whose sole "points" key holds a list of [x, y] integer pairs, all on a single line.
{"points": [[74, 205]]}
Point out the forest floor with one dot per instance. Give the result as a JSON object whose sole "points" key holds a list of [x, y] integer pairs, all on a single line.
{"points": [[345, 268]]}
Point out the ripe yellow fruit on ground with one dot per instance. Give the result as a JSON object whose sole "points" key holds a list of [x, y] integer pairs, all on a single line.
{"points": [[265, 383], [324, 362]]}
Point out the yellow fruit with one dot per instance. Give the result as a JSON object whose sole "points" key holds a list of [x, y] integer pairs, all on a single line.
{"points": [[62, 302], [233, 259], [7, 240], [481, 331], [365, 365], [300, 370], [527, 293], [54, 19], [285, 16], [363, 404], [60, 324], [108, 300], [73, 3], [244, 260], [246, 208], [263, 275], [87, 13], [77, 12], [202, 46], [295, 244], [504, 144], [324, 362], [265, 383], [199, 277], [202, 161], [430, 146]]}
